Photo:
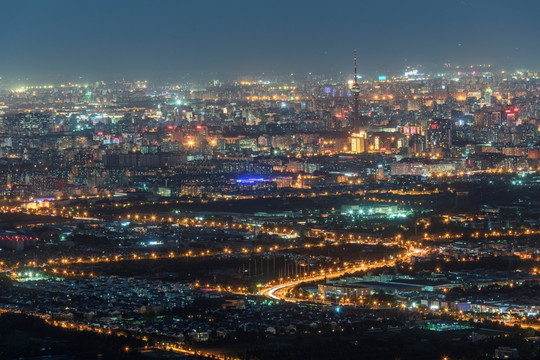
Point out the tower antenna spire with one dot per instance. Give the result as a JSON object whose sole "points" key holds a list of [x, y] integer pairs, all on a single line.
{"points": [[355, 73], [356, 93]]}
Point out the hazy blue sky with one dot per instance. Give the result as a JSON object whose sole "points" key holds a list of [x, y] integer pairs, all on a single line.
{"points": [[160, 38]]}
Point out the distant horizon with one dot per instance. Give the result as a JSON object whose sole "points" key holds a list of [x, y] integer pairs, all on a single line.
{"points": [[231, 77]]}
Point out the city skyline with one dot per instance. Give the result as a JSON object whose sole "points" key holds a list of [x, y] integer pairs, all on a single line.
{"points": [[260, 180]]}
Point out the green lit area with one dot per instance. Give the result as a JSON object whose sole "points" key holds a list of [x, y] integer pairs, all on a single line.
{"points": [[375, 211], [30, 275]]}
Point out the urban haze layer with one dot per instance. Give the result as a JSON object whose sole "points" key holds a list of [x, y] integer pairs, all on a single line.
{"points": [[301, 217]]}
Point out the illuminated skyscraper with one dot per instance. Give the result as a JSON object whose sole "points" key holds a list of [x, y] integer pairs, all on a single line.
{"points": [[439, 134]]}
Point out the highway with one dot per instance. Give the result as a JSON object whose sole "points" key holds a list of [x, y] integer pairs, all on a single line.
{"points": [[277, 292]]}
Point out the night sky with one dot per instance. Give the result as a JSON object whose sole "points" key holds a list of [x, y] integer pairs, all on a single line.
{"points": [[157, 39]]}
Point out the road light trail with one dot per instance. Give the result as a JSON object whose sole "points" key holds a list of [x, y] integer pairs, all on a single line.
{"points": [[273, 291]]}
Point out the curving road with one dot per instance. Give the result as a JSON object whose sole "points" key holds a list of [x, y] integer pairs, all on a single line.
{"points": [[276, 292]]}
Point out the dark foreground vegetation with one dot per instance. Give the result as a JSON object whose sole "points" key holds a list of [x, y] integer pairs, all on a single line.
{"points": [[23, 336]]}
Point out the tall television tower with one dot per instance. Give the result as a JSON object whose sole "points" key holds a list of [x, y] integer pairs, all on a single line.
{"points": [[356, 93]]}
